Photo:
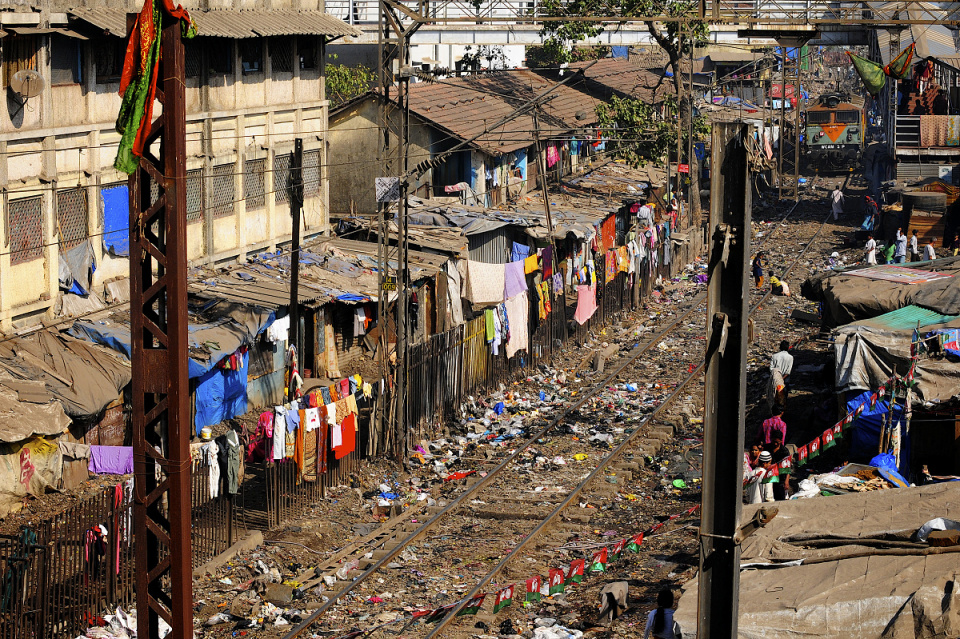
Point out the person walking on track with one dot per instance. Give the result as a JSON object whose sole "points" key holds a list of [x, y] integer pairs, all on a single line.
{"points": [[837, 198]]}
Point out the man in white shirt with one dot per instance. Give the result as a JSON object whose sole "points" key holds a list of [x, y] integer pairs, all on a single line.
{"points": [[871, 249], [837, 197], [928, 252], [782, 360], [914, 249]]}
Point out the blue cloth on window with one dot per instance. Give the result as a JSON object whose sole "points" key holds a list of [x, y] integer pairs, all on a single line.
{"points": [[116, 220]]}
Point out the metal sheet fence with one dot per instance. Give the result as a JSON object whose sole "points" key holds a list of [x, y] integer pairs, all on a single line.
{"points": [[447, 367]]}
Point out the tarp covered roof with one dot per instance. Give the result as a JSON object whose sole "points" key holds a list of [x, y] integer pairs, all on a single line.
{"points": [[849, 298], [216, 332], [83, 377], [843, 588]]}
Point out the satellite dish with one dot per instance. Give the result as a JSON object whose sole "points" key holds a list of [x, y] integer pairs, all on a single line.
{"points": [[27, 83]]}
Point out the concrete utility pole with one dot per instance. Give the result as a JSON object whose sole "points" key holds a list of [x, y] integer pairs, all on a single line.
{"points": [[158, 336], [295, 191], [728, 309]]}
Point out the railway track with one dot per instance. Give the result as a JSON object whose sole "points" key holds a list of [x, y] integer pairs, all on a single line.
{"points": [[501, 507]]}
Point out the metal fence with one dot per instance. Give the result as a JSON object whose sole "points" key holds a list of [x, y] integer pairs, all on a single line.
{"points": [[58, 575]]}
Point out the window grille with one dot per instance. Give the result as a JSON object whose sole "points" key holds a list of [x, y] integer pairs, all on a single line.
{"points": [[253, 187], [194, 195], [311, 172], [251, 55], [222, 187], [25, 227], [71, 217], [193, 58], [109, 56], [220, 56], [281, 55], [281, 177], [307, 48]]}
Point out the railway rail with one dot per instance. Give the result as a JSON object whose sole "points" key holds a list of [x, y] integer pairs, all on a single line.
{"points": [[381, 547]]}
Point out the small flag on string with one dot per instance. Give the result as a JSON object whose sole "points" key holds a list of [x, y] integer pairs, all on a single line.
{"points": [[533, 588], [556, 581], [881, 391], [618, 549], [786, 465], [802, 455], [827, 438], [814, 447], [575, 573], [838, 430], [440, 613], [634, 545], [873, 401], [599, 561], [473, 606], [504, 598]]}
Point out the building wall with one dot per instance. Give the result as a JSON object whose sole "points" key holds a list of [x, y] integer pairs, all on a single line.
{"points": [[354, 141], [241, 128]]}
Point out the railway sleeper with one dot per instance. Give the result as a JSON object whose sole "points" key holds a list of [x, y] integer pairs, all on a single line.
{"points": [[529, 513]]}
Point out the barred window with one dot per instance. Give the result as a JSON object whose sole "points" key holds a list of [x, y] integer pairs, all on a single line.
{"points": [[307, 48], [281, 55], [71, 217], [109, 59], [25, 227], [193, 58], [194, 195], [281, 177], [19, 53], [311, 172], [251, 55], [253, 186], [222, 187], [220, 57]]}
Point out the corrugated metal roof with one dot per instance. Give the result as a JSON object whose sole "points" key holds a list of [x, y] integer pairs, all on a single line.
{"points": [[906, 318], [466, 106], [245, 23]]}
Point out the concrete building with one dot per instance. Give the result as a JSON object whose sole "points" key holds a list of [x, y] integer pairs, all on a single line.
{"points": [[255, 82]]}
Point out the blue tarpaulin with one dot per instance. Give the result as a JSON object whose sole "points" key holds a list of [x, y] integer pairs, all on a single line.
{"points": [[864, 433], [116, 219], [221, 395]]}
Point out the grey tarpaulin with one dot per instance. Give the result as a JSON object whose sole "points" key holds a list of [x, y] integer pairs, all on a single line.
{"points": [[867, 356], [836, 594], [76, 265]]}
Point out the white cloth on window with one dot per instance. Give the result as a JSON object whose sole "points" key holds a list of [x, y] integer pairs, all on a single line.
{"points": [[213, 467], [279, 331]]}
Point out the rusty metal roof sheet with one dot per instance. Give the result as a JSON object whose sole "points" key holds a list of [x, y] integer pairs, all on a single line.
{"points": [[618, 76], [245, 23], [468, 105]]}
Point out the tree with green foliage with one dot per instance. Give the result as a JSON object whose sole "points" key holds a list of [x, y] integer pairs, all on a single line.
{"points": [[344, 83], [635, 121]]}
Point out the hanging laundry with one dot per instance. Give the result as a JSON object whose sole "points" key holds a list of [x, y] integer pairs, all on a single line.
{"points": [[336, 436], [497, 332], [519, 252], [232, 441], [552, 155], [348, 437], [213, 468], [352, 404], [610, 266], [111, 460], [546, 255], [518, 310], [488, 324], [514, 280], [485, 283], [531, 265], [586, 303], [279, 433], [279, 331], [359, 321], [312, 416]]}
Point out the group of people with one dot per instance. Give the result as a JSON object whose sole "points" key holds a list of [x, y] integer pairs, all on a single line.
{"points": [[762, 478], [777, 285], [896, 253]]}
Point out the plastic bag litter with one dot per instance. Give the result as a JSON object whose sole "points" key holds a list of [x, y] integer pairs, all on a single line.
{"points": [[556, 632]]}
